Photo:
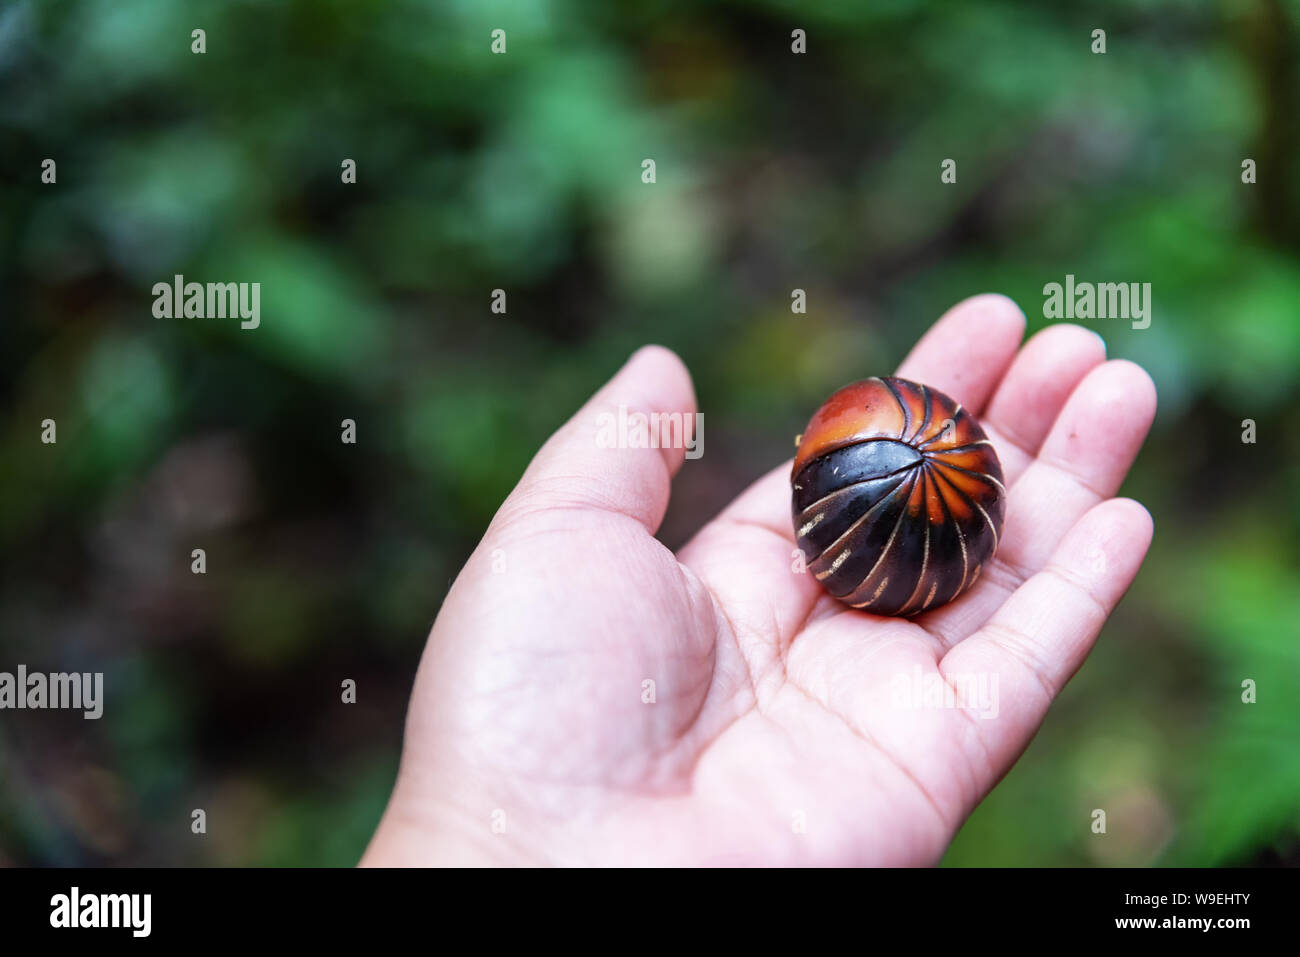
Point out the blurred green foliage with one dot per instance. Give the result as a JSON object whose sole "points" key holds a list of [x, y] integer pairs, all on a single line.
{"points": [[522, 172]]}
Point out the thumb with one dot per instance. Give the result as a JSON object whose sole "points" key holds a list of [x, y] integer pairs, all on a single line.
{"points": [[619, 452]]}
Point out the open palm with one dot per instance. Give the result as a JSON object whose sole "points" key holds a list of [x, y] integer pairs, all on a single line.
{"points": [[587, 696]]}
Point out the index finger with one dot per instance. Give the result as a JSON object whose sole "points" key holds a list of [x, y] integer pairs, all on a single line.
{"points": [[966, 352]]}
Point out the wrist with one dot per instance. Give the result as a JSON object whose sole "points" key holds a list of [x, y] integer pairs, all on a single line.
{"points": [[416, 833]]}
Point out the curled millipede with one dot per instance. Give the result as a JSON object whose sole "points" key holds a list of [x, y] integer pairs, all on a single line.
{"points": [[898, 499]]}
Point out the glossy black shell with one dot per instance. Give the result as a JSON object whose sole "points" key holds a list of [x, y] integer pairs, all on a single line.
{"points": [[898, 498]]}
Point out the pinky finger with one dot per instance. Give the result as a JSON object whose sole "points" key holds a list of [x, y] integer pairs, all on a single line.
{"points": [[1043, 632]]}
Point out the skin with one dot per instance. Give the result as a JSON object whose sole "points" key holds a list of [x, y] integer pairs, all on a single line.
{"points": [[775, 736]]}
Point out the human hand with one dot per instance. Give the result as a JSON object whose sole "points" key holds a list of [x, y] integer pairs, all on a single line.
{"points": [[775, 735]]}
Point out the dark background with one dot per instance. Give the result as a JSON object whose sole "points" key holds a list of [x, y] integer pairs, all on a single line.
{"points": [[523, 172]]}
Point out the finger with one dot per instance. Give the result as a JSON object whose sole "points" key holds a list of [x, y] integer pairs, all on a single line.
{"points": [[1035, 388], [1082, 462], [747, 554], [618, 454], [1038, 639], [981, 332], [966, 352]]}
